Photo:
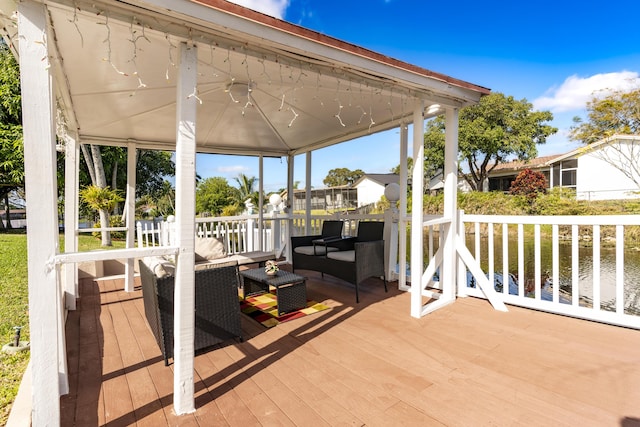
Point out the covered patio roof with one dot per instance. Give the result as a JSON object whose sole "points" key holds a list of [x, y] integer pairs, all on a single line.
{"points": [[193, 76], [264, 85]]}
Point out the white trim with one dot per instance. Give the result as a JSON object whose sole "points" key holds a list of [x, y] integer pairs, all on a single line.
{"points": [[417, 211], [130, 212], [71, 178], [40, 184], [184, 297]]}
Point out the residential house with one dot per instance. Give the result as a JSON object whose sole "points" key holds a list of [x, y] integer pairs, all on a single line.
{"points": [[329, 198], [608, 169], [370, 187]]}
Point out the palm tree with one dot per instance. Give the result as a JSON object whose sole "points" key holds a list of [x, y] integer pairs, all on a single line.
{"points": [[246, 187]]}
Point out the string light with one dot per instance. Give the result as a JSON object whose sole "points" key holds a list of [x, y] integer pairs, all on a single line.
{"points": [[293, 74], [108, 41], [340, 106], [171, 63], [295, 116]]}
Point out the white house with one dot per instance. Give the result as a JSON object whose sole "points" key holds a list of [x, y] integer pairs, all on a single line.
{"points": [[605, 170], [370, 187]]}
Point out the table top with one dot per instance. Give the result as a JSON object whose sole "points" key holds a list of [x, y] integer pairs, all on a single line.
{"points": [[280, 278]]}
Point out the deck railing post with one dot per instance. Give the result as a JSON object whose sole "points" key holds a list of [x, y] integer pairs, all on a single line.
{"points": [[392, 193]]}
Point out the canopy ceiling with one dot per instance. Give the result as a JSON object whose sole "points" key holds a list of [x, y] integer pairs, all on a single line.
{"points": [[265, 86]]}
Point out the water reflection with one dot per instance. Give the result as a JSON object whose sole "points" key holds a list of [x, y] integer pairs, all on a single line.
{"points": [[631, 270]]}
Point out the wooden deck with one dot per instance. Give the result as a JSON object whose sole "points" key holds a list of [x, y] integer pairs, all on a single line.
{"points": [[357, 364]]}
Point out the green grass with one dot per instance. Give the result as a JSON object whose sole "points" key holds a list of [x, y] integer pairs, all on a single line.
{"points": [[14, 308], [13, 312]]}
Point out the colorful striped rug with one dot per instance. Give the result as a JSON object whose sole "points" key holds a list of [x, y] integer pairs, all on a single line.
{"points": [[262, 308]]}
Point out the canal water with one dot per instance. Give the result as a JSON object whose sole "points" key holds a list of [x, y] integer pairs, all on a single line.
{"points": [[631, 270]]}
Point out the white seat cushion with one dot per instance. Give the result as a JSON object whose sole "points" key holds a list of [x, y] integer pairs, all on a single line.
{"points": [[309, 250], [347, 256], [160, 266], [209, 248]]}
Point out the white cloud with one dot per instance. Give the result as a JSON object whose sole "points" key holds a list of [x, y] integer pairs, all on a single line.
{"points": [[275, 8], [575, 92], [232, 170]]}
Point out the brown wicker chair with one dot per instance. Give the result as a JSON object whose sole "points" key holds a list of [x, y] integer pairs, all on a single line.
{"points": [[217, 310]]}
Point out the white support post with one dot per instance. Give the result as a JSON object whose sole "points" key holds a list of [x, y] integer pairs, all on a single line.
{"points": [[38, 120], [417, 190], [184, 297], [290, 201], [402, 222], [307, 221], [130, 210], [260, 203], [71, 173], [448, 269]]}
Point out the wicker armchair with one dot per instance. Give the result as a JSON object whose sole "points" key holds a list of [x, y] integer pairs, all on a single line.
{"points": [[356, 260], [304, 251], [217, 311]]}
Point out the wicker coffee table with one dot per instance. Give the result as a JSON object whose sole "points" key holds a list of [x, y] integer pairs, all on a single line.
{"points": [[291, 290]]}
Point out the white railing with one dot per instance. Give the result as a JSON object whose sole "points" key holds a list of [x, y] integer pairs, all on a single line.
{"points": [[239, 233], [496, 241]]}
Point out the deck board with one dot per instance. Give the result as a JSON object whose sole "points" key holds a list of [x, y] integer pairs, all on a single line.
{"points": [[356, 364]]}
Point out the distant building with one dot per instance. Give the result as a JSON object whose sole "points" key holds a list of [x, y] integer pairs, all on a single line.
{"points": [[604, 170], [370, 187]]}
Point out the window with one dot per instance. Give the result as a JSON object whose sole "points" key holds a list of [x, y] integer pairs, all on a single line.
{"points": [[565, 173]]}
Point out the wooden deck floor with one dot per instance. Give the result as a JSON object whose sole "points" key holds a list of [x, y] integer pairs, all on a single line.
{"points": [[357, 364]]}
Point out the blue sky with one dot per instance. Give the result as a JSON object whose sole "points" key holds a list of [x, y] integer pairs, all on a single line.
{"points": [[556, 54]]}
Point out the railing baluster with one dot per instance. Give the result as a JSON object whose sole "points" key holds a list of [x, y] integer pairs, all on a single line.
{"points": [[555, 274], [505, 259], [619, 269], [537, 267], [596, 268], [575, 267], [521, 292], [490, 254]]}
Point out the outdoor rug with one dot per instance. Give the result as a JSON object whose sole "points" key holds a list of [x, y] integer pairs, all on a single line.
{"points": [[262, 308]]}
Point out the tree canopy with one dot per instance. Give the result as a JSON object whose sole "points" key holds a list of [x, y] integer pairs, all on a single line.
{"points": [[215, 194], [342, 176], [617, 113], [494, 131], [11, 147]]}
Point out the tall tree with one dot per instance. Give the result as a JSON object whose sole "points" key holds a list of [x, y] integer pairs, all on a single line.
{"points": [[495, 130], [342, 176], [11, 147], [213, 195], [616, 113]]}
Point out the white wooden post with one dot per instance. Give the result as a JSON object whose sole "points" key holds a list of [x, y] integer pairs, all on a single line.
{"points": [[261, 242], [307, 221], [402, 222], [417, 189], [184, 297], [289, 203], [130, 212], [38, 122], [71, 171], [392, 193], [448, 269], [251, 228]]}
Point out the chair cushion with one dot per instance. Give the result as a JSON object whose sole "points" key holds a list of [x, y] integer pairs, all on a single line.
{"points": [[346, 256], [309, 250], [209, 248], [159, 266]]}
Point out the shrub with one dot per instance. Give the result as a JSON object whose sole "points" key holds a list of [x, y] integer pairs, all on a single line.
{"points": [[529, 183]]}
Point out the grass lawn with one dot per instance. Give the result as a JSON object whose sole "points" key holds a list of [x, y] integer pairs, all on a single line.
{"points": [[14, 309], [13, 312]]}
